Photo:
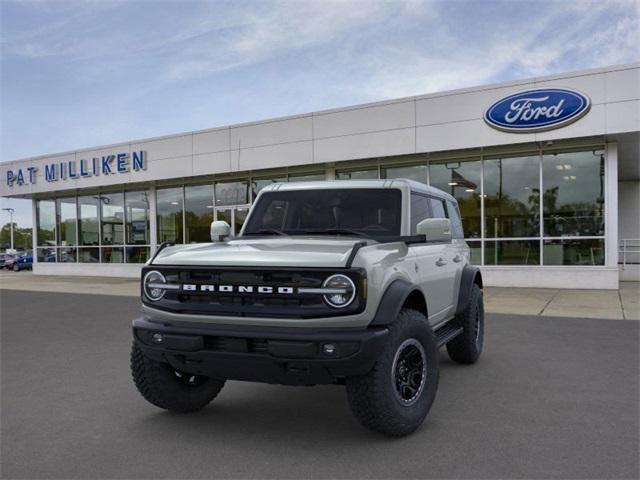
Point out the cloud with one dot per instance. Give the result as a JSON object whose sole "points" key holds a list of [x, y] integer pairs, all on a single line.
{"points": [[123, 70], [402, 48], [287, 26], [525, 48], [52, 27]]}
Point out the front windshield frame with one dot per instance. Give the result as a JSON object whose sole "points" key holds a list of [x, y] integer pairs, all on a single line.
{"points": [[380, 208]]}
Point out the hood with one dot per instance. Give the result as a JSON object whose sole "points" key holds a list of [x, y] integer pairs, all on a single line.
{"points": [[263, 252]]}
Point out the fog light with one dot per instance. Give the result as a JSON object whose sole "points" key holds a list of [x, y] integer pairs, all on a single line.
{"points": [[156, 338], [329, 348]]}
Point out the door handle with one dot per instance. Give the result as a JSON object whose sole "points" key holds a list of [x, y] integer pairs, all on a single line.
{"points": [[441, 262], [457, 258]]}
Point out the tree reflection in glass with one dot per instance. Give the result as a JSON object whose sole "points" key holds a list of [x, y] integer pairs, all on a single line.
{"points": [[198, 212], [512, 197]]}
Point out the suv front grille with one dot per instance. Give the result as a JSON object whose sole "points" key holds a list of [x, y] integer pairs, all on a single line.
{"points": [[254, 303]]}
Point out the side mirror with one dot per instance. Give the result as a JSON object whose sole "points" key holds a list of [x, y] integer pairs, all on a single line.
{"points": [[220, 230], [435, 229]]}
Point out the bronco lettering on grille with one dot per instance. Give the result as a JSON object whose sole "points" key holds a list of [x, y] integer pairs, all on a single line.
{"points": [[192, 287]]}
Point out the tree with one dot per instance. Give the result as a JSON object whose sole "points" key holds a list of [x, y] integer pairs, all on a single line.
{"points": [[21, 237]]}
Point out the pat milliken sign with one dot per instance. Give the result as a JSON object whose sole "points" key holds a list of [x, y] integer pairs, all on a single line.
{"points": [[537, 110], [105, 165]]}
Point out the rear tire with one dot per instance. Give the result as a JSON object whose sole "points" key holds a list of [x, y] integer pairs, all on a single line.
{"points": [[166, 388], [396, 395], [467, 347]]}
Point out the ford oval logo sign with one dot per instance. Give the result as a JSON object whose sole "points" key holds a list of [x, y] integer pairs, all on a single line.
{"points": [[537, 110]]}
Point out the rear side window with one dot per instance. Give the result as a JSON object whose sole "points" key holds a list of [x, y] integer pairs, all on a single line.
{"points": [[456, 222], [419, 210], [437, 207]]}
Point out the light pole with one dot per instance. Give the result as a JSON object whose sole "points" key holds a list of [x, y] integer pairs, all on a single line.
{"points": [[11, 212]]}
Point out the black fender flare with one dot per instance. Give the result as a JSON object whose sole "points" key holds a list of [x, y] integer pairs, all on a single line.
{"points": [[470, 276], [392, 301]]}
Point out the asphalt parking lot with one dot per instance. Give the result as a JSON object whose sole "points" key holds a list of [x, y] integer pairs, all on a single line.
{"points": [[550, 398]]}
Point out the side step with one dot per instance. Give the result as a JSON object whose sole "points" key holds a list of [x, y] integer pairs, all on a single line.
{"points": [[447, 333]]}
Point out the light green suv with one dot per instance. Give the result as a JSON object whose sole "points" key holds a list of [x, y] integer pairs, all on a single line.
{"points": [[350, 282]]}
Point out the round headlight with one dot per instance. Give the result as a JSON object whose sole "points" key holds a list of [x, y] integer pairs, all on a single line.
{"points": [[152, 285], [342, 293]]}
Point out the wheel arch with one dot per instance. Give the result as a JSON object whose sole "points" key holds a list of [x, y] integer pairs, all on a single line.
{"points": [[470, 276], [398, 295]]}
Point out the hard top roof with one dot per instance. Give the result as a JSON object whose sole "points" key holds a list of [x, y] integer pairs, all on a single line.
{"points": [[412, 185]]}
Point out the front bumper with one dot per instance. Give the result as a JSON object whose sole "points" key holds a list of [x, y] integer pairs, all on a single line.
{"points": [[289, 356]]}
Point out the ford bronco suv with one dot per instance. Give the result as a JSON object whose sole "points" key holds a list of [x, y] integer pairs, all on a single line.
{"points": [[355, 283]]}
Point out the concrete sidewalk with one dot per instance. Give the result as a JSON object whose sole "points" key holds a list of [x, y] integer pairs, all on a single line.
{"points": [[620, 304], [623, 304]]}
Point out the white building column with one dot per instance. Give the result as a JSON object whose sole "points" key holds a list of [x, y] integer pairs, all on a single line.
{"points": [[330, 172], [34, 230], [153, 226], [611, 205]]}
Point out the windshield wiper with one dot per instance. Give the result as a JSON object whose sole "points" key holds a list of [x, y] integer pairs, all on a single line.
{"points": [[336, 231], [265, 231]]}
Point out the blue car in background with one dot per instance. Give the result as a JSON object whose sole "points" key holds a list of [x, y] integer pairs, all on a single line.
{"points": [[23, 262]]}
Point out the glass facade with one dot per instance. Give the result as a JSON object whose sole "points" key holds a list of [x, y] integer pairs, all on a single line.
{"points": [[46, 218], [505, 218], [574, 251], [418, 173], [106, 228], [112, 218], [169, 205], [88, 221], [573, 194], [137, 218], [67, 254], [46, 230], [307, 177], [88, 229], [461, 180], [232, 193], [512, 252], [67, 218], [198, 213], [89, 255], [367, 174], [512, 197]]}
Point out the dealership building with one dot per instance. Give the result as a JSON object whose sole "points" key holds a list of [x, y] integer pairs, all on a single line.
{"points": [[546, 172]]}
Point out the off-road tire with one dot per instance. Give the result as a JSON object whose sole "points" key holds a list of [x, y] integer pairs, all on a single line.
{"points": [[160, 386], [467, 347], [373, 398]]}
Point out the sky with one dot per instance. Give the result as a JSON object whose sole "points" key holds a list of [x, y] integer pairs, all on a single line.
{"points": [[87, 73]]}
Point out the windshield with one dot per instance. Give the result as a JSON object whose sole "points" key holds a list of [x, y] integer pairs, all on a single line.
{"points": [[367, 212]]}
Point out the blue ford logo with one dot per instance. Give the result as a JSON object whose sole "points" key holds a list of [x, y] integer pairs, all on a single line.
{"points": [[537, 110]]}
